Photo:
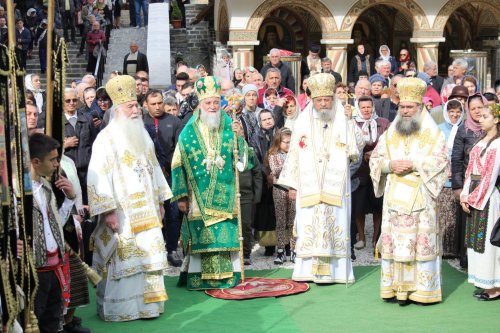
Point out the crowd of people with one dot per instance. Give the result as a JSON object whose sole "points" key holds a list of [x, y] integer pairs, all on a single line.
{"points": [[416, 150]]}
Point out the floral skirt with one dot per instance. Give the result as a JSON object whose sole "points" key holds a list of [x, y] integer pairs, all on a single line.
{"points": [[447, 219]]}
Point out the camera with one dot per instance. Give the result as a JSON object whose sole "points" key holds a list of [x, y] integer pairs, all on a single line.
{"points": [[189, 104]]}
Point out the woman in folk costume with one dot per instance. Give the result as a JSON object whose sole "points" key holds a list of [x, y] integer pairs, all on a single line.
{"points": [[468, 134], [283, 205], [480, 199], [447, 204]]}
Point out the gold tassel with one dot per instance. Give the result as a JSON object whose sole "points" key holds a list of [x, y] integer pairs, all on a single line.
{"points": [[376, 253], [91, 274], [34, 323]]}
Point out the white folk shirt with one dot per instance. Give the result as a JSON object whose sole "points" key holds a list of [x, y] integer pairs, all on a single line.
{"points": [[64, 212]]}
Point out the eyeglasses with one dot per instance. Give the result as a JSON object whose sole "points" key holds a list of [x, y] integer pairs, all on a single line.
{"points": [[286, 142], [103, 101], [74, 100]]}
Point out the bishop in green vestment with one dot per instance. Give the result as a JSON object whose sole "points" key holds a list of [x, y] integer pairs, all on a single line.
{"points": [[204, 183]]}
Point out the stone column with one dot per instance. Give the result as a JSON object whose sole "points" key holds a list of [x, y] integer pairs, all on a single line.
{"points": [[492, 46], [336, 50], [243, 52], [427, 50]]}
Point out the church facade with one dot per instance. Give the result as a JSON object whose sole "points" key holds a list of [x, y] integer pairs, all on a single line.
{"points": [[430, 29]]}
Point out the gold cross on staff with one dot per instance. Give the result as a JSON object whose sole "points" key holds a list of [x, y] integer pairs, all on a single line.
{"points": [[233, 99]]}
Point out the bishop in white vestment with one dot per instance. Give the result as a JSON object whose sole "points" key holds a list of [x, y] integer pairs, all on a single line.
{"points": [[409, 167], [316, 172], [127, 189]]}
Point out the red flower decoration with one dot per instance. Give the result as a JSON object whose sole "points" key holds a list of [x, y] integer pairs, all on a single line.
{"points": [[302, 142]]}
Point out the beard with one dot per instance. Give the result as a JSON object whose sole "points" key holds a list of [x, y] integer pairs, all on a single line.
{"points": [[130, 132], [408, 127], [210, 119], [326, 114]]}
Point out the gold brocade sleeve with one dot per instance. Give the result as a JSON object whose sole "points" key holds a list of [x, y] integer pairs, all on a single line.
{"points": [[433, 168], [100, 178], [379, 161], [163, 192]]}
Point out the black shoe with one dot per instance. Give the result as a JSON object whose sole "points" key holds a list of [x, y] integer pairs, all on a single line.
{"points": [[403, 303], [280, 258], [287, 250], [293, 256], [390, 300], [173, 261], [353, 257], [73, 328], [463, 262], [485, 297], [247, 261], [77, 321], [269, 251], [478, 292]]}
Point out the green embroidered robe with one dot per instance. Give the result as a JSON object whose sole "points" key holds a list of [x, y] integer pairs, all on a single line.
{"points": [[203, 171]]}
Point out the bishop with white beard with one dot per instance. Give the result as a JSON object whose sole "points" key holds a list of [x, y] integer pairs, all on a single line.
{"points": [[127, 189], [316, 173], [204, 183], [409, 167]]}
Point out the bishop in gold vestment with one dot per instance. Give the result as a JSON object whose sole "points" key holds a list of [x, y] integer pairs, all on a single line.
{"points": [[126, 190], [409, 168]]}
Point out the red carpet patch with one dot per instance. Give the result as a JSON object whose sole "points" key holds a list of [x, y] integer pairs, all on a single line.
{"points": [[260, 287]]}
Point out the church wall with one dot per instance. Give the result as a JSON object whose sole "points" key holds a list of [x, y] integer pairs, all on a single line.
{"points": [[240, 11]]}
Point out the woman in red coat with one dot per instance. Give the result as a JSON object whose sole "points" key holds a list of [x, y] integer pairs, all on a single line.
{"points": [[95, 37]]}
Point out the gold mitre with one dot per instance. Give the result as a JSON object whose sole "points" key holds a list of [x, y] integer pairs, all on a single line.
{"points": [[411, 90], [321, 85], [207, 87], [121, 89]]}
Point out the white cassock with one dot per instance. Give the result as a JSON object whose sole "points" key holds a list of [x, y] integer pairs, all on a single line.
{"points": [[317, 166]]}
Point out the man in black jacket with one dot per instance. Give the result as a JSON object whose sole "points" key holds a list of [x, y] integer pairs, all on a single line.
{"points": [[287, 79], [79, 132], [67, 8], [135, 61], [167, 129]]}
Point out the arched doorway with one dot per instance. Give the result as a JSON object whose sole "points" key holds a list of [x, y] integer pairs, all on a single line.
{"points": [[382, 25], [291, 28], [468, 26]]}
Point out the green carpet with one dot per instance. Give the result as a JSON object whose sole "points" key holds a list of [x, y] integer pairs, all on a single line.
{"points": [[330, 308]]}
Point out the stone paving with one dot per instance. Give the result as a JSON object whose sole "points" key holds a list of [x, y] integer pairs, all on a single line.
{"points": [[119, 46]]}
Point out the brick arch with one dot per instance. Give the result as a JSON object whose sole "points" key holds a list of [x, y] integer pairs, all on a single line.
{"points": [[448, 8], [315, 7], [409, 7]]}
